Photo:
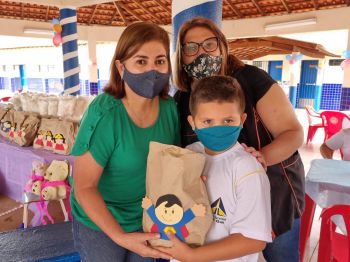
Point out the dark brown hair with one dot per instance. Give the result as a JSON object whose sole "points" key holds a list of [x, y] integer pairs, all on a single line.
{"points": [[132, 38], [229, 63], [216, 89], [170, 199]]}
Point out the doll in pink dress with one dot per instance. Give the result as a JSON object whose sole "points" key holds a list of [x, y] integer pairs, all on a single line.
{"points": [[39, 138], [48, 140], [60, 142]]}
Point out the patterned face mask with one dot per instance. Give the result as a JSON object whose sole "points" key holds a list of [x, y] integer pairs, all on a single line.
{"points": [[203, 66]]}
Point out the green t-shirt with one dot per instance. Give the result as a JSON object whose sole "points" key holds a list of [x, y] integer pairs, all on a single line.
{"points": [[121, 148]]}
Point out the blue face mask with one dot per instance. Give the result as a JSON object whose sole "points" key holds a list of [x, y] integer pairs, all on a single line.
{"points": [[148, 84], [218, 138]]}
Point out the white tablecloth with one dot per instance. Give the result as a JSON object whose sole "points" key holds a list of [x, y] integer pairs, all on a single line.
{"points": [[328, 183]]}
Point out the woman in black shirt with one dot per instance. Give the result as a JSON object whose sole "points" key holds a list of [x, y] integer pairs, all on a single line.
{"points": [[271, 126]]}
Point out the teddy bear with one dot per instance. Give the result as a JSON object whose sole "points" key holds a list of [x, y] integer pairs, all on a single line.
{"points": [[55, 176], [37, 176]]}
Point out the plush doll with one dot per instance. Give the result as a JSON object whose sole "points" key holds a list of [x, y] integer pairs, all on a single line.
{"points": [[55, 187], [37, 176], [39, 168]]}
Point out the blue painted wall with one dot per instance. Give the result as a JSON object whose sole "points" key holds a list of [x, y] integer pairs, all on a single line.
{"points": [[275, 70]]}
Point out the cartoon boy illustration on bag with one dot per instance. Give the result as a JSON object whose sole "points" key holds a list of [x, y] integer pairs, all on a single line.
{"points": [[168, 215], [59, 142]]}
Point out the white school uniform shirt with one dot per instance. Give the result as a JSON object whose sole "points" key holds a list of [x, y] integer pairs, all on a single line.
{"points": [[341, 140], [239, 193]]}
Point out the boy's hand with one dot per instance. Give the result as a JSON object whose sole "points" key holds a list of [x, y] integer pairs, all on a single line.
{"points": [[146, 202], [198, 210], [256, 154], [179, 251]]}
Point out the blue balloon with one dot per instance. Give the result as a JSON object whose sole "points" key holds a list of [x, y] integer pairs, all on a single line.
{"points": [[288, 57], [55, 21], [298, 57], [346, 54]]}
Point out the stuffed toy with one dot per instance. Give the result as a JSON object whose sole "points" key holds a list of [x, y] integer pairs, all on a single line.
{"points": [[34, 186], [37, 176], [55, 186]]}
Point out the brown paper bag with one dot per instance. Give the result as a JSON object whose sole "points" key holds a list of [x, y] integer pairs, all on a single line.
{"points": [[39, 140], [64, 137], [26, 134], [3, 111], [17, 120], [45, 133], [56, 135], [176, 197], [5, 123]]}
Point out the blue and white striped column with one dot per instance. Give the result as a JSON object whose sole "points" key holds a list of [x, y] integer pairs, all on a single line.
{"points": [[183, 11], [68, 21]]}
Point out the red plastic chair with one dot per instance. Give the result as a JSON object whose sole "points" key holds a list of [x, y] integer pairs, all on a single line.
{"points": [[306, 225], [334, 246], [333, 122], [315, 122]]}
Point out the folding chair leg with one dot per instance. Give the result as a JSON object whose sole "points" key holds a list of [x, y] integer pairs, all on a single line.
{"points": [[25, 215], [64, 210]]}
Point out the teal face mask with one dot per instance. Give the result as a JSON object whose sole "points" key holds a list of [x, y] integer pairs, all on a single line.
{"points": [[218, 138]]}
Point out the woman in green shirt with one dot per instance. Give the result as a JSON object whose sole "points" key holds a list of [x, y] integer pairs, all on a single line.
{"points": [[112, 145]]}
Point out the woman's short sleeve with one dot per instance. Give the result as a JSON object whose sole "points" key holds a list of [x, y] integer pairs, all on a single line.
{"points": [[96, 134], [257, 80]]}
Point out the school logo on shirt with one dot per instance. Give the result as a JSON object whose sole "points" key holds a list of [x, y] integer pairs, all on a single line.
{"points": [[218, 210]]}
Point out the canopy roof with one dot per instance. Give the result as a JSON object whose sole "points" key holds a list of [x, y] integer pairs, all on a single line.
{"points": [[253, 48], [123, 12]]}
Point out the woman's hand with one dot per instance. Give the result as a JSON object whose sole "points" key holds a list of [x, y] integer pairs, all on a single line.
{"points": [[179, 251], [257, 154], [137, 243]]}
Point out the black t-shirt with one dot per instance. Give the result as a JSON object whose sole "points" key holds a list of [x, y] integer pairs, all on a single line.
{"points": [[287, 177]]}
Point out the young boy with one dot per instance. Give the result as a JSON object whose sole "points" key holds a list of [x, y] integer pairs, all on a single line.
{"points": [[237, 185]]}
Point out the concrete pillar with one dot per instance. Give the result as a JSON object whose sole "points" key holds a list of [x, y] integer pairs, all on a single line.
{"points": [[183, 11], [294, 70], [69, 34], [345, 94]]}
